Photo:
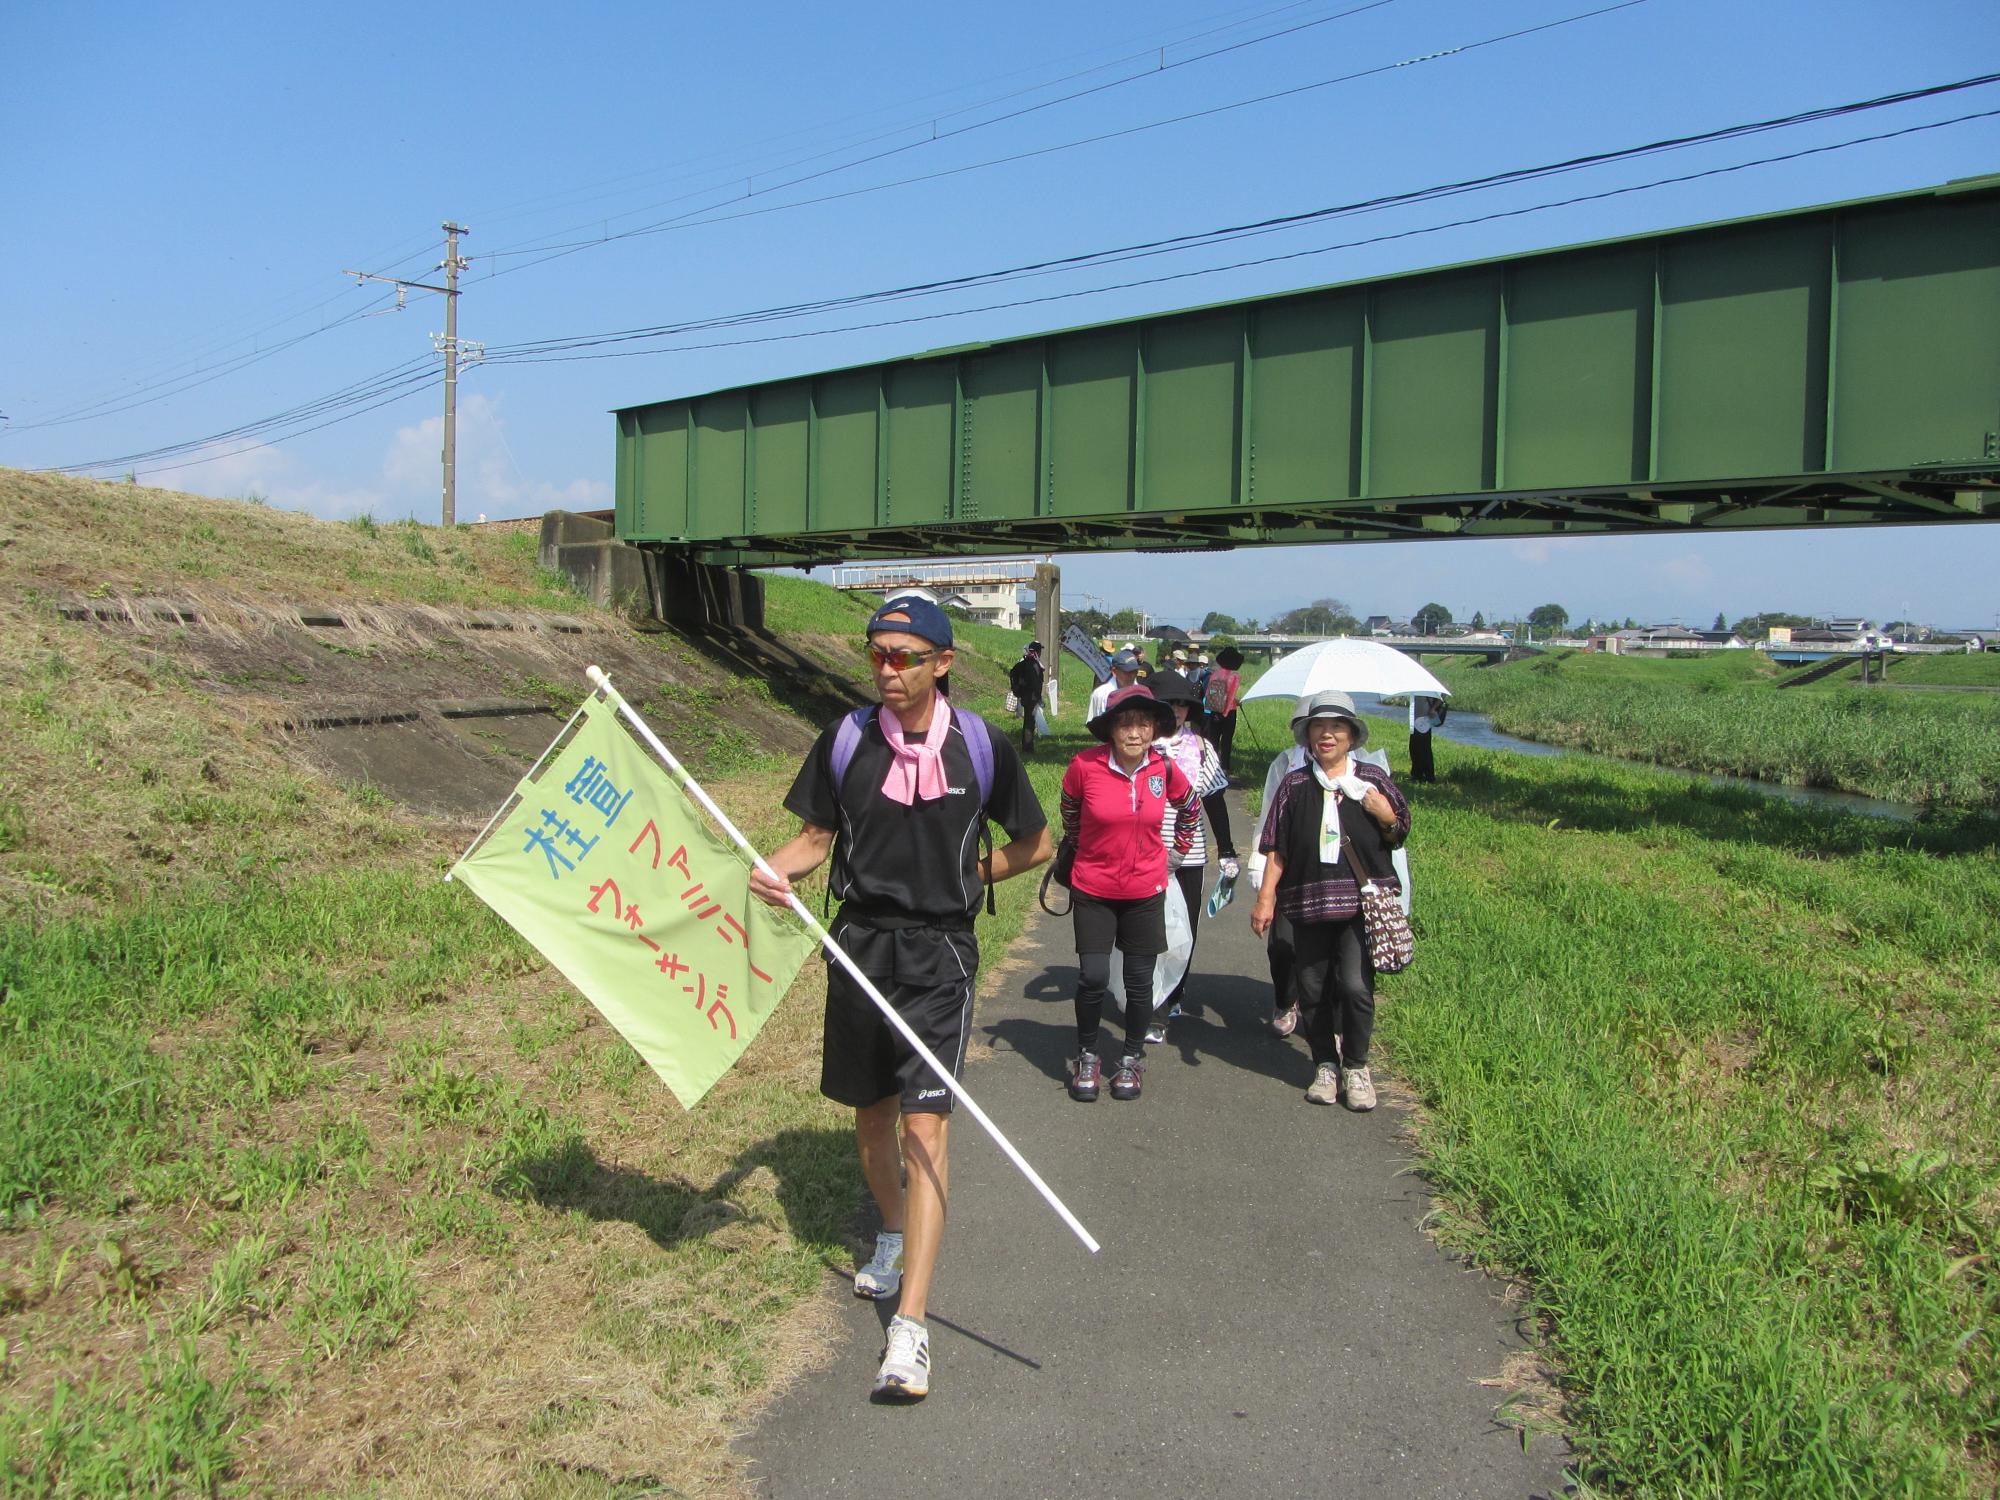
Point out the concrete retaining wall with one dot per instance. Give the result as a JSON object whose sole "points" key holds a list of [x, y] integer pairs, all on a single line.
{"points": [[649, 581]]}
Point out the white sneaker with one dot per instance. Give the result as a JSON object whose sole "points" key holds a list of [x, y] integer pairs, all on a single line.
{"points": [[1325, 1085], [1358, 1088], [882, 1277], [906, 1363]]}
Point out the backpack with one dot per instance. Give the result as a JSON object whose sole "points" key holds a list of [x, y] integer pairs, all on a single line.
{"points": [[1025, 678], [978, 744], [1215, 698]]}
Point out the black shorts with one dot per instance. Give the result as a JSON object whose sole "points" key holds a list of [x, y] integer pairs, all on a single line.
{"points": [[1138, 926], [927, 974]]}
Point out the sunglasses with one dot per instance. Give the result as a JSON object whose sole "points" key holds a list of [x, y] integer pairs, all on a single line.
{"points": [[899, 660]]}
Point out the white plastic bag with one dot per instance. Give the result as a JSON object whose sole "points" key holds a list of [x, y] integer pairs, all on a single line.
{"points": [[1041, 720], [1399, 859], [1172, 964]]}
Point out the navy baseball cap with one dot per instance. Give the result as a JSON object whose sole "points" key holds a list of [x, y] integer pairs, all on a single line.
{"points": [[922, 619]]}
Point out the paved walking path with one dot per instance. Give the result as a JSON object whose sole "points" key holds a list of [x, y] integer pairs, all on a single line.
{"points": [[1266, 1318]]}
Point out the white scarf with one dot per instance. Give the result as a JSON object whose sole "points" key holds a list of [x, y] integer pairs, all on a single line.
{"points": [[1329, 814]]}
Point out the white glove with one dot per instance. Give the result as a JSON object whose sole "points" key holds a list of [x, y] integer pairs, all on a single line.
{"points": [[1230, 868], [1353, 786], [1257, 873]]}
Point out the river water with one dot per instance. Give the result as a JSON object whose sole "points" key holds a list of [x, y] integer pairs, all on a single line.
{"points": [[1463, 728]]}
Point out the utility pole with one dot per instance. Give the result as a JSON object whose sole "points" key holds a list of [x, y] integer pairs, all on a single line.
{"points": [[450, 351], [447, 344]]}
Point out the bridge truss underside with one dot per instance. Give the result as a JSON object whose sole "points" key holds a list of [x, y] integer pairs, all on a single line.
{"points": [[1805, 501], [1832, 366]]}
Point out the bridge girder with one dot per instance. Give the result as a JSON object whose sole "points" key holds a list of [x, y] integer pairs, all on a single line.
{"points": [[1815, 501], [1829, 366]]}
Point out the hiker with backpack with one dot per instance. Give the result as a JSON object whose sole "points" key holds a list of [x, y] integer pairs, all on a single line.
{"points": [[908, 789], [1024, 683], [1220, 695]]}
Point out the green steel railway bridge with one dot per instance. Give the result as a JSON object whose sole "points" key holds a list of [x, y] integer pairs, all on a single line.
{"points": [[1830, 366]]}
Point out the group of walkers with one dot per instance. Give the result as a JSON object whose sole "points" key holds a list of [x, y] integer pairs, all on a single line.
{"points": [[900, 797], [1216, 688]]}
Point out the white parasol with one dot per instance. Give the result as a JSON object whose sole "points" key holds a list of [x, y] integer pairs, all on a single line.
{"points": [[1348, 664]]}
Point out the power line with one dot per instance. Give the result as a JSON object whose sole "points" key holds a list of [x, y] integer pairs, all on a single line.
{"points": [[692, 218], [1267, 260], [818, 133], [550, 252], [520, 352]]}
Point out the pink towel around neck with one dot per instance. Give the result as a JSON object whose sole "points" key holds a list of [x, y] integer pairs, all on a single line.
{"points": [[916, 770]]}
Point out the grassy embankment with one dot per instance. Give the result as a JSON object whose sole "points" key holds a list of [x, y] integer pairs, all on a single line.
{"points": [[312, 1176], [1724, 712]]}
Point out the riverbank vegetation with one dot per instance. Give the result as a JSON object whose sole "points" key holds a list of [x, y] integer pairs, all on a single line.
{"points": [[1726, 712], [1712, 1072]]}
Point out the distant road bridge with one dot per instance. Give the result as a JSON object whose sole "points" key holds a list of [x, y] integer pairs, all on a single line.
{"points": [[956, 573], [1415, 645], [1829, 366]]}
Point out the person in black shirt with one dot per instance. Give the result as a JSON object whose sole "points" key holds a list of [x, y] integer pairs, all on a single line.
{"points": [[1024, 681], [902, 817]]}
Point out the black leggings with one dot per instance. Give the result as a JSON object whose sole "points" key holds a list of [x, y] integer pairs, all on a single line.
{"points": [[1095, 987], [1337, 989], [1284, 964], [1422, 766], [1190, 878]]}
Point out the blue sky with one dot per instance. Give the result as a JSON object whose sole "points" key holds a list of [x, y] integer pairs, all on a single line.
{"points": [[185, 185]]}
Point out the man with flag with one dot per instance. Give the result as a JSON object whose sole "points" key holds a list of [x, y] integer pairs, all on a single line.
{"points": [[900, 797]]}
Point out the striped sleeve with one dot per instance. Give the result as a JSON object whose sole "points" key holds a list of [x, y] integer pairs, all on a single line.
{"points": [[1187, 810]]}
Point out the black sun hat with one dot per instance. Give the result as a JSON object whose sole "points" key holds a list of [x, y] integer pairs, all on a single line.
{"points": [[1138, 695]]}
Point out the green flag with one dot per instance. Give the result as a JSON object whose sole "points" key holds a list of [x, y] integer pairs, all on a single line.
{"points": [[606, 866]]}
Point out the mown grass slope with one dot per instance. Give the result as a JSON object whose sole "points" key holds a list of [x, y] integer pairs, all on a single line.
{"points": [[313, 1177]]}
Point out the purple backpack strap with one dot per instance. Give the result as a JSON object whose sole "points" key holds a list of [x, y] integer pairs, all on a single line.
{"points": [[979, 746], [846, 738]]}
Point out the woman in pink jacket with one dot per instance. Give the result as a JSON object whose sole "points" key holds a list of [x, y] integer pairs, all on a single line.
{"points": [[1116, 803]]}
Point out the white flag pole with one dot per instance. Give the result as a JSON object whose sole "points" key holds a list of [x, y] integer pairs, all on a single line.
{"points": [[645, 731]]}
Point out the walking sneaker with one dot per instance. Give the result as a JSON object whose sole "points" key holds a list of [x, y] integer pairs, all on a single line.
{"points": [[1156, 1033], [882, 1277], [1084, 1072], [906, 1362], [1325, 1085], [1285, 1022], [1174, 1011], [1358, 1088], [1125, 1082]]}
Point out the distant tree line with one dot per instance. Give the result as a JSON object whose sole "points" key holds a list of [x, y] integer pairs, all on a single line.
{"points": [[1335, 617]]}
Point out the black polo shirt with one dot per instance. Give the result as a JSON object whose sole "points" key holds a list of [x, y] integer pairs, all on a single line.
{"points": [[919, 862]]}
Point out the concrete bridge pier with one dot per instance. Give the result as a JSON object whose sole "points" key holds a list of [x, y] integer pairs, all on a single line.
{"points": [[663, 584]]}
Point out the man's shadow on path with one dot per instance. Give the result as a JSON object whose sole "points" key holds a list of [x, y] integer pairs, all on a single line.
{"points": [[819, 1189], [816, 1174], [1224, 1020]]}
